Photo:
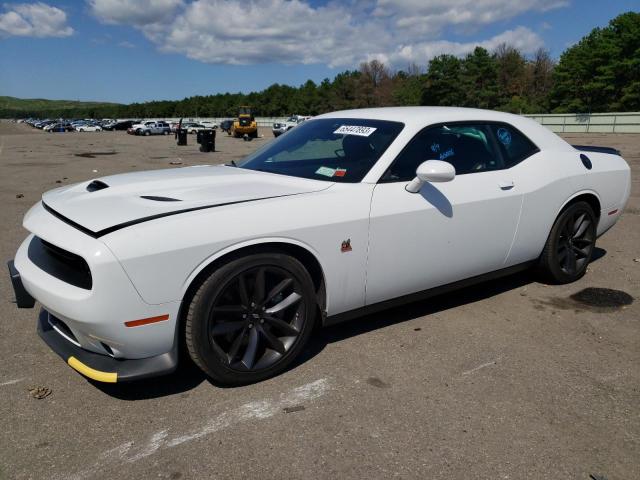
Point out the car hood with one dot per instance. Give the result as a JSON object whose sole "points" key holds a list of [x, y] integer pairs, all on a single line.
{"points": [[108, 203]]}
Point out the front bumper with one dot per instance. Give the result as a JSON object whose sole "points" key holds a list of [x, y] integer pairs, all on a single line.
{"points": [[106, 327], [103, 368]]}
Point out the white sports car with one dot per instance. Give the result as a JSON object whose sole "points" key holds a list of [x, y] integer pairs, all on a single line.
{"points": [[348, 213]]}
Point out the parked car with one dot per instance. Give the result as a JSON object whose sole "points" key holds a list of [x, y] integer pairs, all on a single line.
{"points": [[59, 127], [281, 127], [150, 128], [88, 127], [44, 123], [192, 127], [240, 261], [209, 125], [108, 124], [123, 125]]}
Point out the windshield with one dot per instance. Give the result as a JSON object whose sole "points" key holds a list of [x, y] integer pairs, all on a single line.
{"points": [[331, 149]]}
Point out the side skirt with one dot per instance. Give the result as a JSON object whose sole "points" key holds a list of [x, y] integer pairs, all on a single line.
{"points": [[424, 294]]}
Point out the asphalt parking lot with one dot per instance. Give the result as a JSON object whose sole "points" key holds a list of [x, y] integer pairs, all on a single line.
{"points": [[512, 379]]}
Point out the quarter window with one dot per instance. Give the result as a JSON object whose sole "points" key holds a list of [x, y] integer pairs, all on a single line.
{"points": [[513, 145]]}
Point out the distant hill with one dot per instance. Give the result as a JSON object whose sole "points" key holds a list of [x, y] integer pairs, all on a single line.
{"points": [[39, 104]]}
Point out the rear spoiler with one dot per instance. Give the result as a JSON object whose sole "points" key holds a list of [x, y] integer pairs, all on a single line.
{"points": [[593, 148]]}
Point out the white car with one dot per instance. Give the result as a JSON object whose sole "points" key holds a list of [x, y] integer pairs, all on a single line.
{"points": [[88, 128], [293, 121], [150, 128], [348, 213], [192, 127]]}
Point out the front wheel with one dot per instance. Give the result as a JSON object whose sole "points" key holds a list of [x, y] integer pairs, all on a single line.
{"points": [[570, 245], [250, 318]]}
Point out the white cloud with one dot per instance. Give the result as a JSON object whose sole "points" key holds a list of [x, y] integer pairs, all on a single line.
{"points": [[433, 16], [521, 38], [134, 12], [339, 34], [281, 31], [34, 20]]}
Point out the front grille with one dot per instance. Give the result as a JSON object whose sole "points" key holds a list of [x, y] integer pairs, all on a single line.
{"points": [[59, 263]]}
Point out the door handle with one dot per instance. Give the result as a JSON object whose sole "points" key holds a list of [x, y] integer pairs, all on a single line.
{"points": [[506, 184]]}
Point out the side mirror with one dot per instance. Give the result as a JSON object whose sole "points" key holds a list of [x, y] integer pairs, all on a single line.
{"points": [[431, 171]]}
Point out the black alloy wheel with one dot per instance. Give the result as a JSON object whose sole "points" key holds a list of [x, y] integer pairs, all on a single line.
{"points": [[570, 245], [257, 318], [250, 318], [576, 242]]}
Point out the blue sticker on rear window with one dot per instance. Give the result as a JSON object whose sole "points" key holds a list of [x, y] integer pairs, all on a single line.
{"points": [[504, 136]]}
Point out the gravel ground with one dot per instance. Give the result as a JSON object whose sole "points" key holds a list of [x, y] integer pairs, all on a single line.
{"points": [[512, 379]]}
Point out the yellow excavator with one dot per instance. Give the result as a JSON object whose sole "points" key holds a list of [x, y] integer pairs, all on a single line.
{"points": [[245, 124]]}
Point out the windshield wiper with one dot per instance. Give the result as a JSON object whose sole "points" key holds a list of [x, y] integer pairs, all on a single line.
{"points": [[233, 164]]}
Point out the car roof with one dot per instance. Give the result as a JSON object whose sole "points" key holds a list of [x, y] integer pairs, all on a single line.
{"points": [[418, 114], [418, 117]]}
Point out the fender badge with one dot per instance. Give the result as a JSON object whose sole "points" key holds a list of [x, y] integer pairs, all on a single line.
{"points": [[346, 246]]}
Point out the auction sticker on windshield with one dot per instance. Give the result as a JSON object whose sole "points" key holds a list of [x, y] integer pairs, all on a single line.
{"points": [[359, 130], [326, 171]]}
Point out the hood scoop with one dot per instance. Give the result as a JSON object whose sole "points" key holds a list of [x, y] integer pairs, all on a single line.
{"points": [[160, 199], [96, 185]]}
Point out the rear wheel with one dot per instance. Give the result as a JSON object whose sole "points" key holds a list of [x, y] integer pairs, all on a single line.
{"points": [[570, 245], [250, 319]]}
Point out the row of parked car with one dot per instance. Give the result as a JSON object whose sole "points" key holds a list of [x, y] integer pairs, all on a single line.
{"points": [[154, 127], [61, 125], [133, 127], [148, 127]]}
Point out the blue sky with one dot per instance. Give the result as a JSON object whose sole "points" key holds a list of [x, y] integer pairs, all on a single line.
{"points": [[126, 50]]}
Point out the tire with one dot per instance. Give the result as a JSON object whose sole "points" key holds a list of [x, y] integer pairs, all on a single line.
{"points": [[569, 247], [147, 133], [239, 344]]}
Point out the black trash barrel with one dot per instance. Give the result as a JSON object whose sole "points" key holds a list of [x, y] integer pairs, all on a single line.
{"points": [[207, 140], [181, 135]]}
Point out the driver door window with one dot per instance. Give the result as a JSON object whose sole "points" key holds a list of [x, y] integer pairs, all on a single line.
{"points": [[470, 148]]}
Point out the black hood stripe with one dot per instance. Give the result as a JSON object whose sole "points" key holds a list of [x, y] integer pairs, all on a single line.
{"points": [[120, 226]]}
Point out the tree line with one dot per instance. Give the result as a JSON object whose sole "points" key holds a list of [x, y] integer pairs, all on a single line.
{"points": [[600, 73]]}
